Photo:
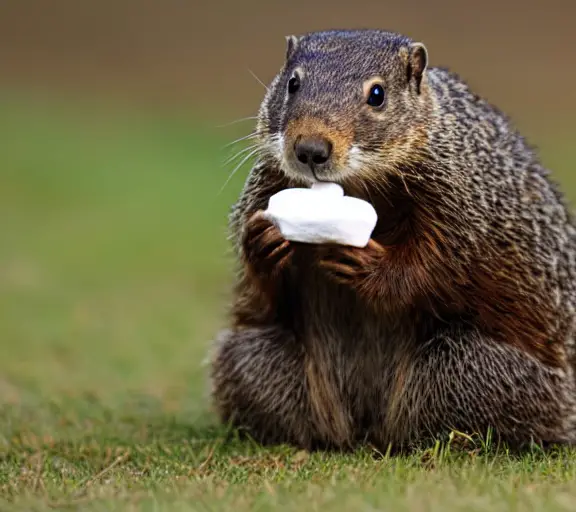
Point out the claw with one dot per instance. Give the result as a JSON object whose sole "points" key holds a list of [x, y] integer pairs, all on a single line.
{"points": [[266, 243], [346, 264], [338, 268], [265, 248], [280, 252]]}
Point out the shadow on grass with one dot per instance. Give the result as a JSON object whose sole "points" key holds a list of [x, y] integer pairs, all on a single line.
{"points": [[79, 437]]}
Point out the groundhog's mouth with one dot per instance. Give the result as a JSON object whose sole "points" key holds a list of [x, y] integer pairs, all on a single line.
{"points": [[313, 175], [317, 173]]}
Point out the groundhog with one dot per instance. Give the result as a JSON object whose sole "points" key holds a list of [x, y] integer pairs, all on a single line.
{"points": [[459, 314]]}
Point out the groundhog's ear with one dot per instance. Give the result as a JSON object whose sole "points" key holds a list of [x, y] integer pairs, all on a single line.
{"points": [[291, 45], [417, 63]]}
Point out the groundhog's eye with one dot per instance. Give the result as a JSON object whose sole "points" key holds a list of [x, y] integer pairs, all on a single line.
{"points": [[293, 84], [376, 96]]}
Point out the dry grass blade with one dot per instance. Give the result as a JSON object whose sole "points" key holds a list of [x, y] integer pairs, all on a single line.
{"points": [[83, 486]]}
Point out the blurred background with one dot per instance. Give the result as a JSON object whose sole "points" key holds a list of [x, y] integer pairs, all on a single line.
{"points": [[114, 271]]}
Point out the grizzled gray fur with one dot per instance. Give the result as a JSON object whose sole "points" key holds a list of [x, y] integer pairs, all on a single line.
{"points": [[459, 314]]}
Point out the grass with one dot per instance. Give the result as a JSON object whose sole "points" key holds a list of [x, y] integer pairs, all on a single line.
{"points": [[113, 279]]}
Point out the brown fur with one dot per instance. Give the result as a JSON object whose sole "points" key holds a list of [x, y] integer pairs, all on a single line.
{"points": [[422, 267], [329, 416]]}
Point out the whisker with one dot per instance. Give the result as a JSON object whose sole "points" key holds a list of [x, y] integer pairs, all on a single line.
{"points": [[258, 80], [242, 162], [249, 136], [241, 120], [366, 188], [380, 186], [240, 153]]}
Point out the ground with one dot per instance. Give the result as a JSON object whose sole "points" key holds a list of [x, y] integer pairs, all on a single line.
{"points": [[114, 275]]}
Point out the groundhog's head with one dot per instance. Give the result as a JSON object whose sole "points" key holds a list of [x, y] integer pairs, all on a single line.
{"points": [[347, 104]]}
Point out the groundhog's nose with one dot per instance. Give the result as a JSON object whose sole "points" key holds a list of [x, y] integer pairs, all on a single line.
{"points": [[313, 151]]}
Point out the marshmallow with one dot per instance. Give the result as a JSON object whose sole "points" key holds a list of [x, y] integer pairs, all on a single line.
{"points": [[322, 215]]}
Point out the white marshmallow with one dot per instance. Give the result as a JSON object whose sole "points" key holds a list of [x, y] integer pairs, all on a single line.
{"points": [[321, 215]]}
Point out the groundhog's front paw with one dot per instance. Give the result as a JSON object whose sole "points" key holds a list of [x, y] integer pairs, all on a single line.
{"points": [[265, 250], [351, 265]]}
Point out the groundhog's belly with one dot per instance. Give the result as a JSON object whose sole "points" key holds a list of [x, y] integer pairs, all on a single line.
{"points": [[360, 349]]}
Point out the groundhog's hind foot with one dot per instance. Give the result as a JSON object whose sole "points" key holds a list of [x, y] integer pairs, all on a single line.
{"points": [[465, 380], [258, 386]]}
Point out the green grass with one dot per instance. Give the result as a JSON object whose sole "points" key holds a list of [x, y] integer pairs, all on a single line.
{"points": [[114, 276]]}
